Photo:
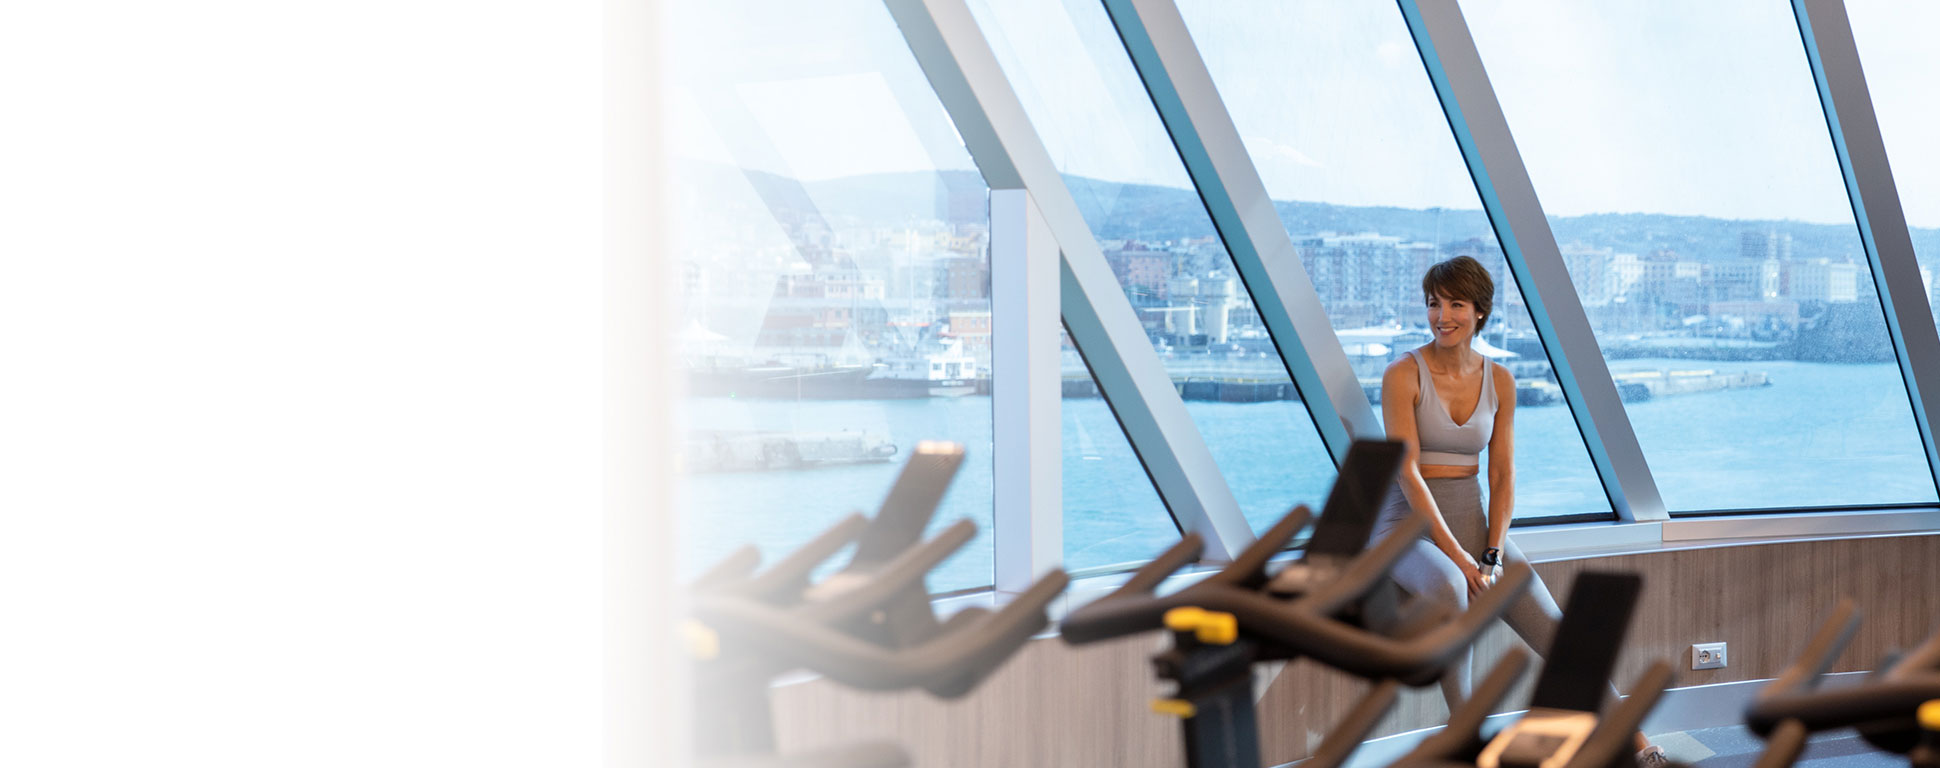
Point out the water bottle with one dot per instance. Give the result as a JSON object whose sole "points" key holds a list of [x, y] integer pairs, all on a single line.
{"points": [[1491, 566]]}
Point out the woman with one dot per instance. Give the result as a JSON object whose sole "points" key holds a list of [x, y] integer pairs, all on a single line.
{"points": [[1449, 404]]}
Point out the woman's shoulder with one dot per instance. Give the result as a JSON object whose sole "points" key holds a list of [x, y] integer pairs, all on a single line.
{"points": [[1403, 364], [1504, 380], [1401, 373]]}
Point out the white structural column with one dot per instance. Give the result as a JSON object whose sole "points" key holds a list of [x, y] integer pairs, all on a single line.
{"points": [[1448, 52], [1209, 143], [1026, 390], [1848, 104], [648, 687], [988, 115]]}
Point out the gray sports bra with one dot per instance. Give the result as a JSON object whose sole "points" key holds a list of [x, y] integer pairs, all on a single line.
{"points": [[1442, 440]]}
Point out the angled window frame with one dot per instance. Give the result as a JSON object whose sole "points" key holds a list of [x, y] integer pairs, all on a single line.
{"points": [[1181, 87], [1442, 37], [964, 72]]}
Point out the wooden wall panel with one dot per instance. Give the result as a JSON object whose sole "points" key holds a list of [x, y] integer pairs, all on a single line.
{"points": [[1051, 705], [1054, 705]]}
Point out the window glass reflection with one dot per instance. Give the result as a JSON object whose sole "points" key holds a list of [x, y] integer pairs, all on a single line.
{"points": [[1084, 98], [834, 270], [1112, 514]]}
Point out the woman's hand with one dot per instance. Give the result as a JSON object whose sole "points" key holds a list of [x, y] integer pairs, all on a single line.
{"points": [[1477, 580]]}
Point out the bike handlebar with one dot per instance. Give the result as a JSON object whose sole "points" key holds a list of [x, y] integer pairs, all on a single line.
{"points": [[948, 665], [1306, 624]]}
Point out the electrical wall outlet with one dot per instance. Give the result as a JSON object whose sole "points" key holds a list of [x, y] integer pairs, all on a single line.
{"points": [[1707, 656]]}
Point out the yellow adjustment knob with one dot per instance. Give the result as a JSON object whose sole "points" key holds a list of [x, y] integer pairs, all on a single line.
{"points": [[1217, 628], [702, 643], [1174, 707], [1184, 618], [1929, 714]]}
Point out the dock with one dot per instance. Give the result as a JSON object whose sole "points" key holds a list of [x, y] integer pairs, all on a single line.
{"points": [[1632, 386], [1640, 386], [756, 451]]}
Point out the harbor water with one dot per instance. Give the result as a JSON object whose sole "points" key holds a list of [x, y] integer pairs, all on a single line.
{"points": [[1821, 433]]}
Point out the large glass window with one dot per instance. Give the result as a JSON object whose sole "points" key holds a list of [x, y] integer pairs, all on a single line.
{"points": [[1112, 514], [1900, 63], [1682, 155], [1086, 101], [835, 269], [1345, 129]]}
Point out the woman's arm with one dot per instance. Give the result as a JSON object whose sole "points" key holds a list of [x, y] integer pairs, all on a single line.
{"points": [[1502, 457], [1400, 386]]}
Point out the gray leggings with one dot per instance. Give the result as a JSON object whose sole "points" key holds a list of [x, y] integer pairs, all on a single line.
{"points": [[1426, 572]]}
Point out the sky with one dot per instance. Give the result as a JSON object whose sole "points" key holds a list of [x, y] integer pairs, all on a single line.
{"points": [[1638, 106], [810, 90], [1704, 108], [1332, 102]]}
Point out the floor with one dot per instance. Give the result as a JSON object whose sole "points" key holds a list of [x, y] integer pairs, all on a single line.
{"points": [[1736, 747]]}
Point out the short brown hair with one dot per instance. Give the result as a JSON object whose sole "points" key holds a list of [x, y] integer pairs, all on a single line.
{"points": [[1462, 278]]}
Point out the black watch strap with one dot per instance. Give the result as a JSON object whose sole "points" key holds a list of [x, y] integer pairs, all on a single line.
{"points": [[1492, 556]]}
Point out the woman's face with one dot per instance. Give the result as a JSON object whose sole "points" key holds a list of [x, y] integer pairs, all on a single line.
{"points": [[1452, 320]]}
